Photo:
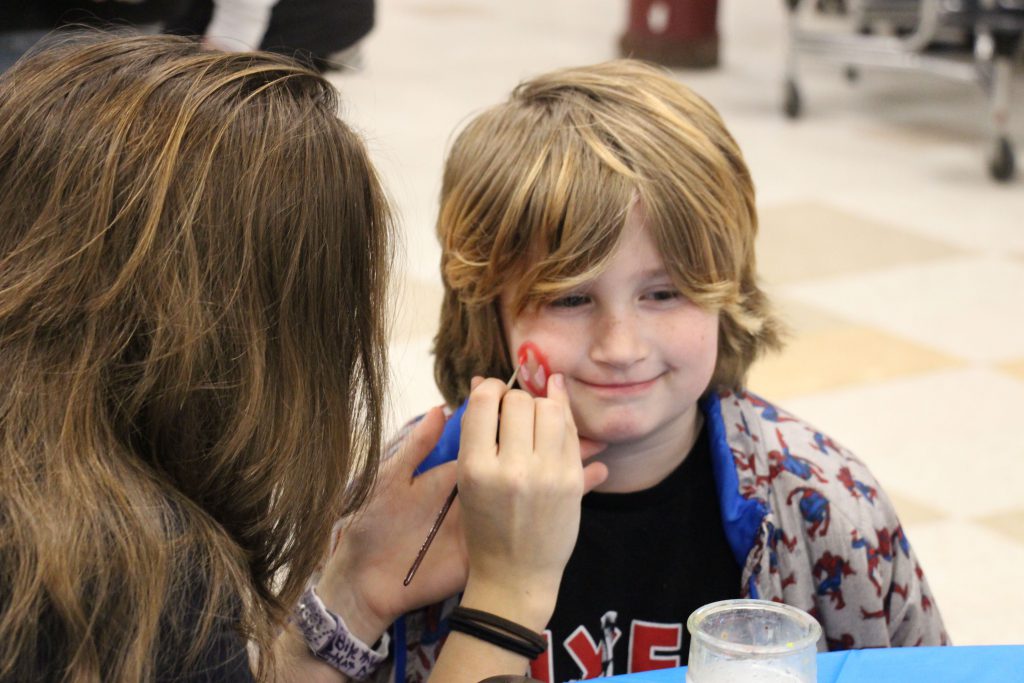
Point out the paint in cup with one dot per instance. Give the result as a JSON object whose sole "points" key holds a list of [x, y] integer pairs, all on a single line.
{"points": [[752, 641]]}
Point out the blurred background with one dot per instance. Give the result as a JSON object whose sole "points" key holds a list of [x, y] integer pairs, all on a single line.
{"points": [[894, 255]]}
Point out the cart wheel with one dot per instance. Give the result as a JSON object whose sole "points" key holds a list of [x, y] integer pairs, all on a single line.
{"points": [[852, 74], [791, 107], [1001, 166]]}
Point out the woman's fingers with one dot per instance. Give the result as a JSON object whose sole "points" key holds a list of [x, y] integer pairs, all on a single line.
{"points": [[421, 441], [550, 430], [556, 390], [515, 416], [577, 447], [555, 431], [521, 510], [516, 427], [594, 474], [589, 448], [558, 393], [480, 421]]}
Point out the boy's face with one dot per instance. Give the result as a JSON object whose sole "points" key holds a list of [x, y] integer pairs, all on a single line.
{"points": [[636, 355]]}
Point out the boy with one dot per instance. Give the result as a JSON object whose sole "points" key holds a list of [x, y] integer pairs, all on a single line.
{"points": [[601, 224]]}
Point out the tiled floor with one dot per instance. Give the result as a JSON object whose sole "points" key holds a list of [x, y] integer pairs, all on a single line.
{"points": [[898, 264]]}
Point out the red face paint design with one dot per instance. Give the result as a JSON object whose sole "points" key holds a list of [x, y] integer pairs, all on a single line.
{"points": [[533, 369]]}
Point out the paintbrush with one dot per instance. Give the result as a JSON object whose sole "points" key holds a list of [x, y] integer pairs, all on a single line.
{"points": [[444, 511]]}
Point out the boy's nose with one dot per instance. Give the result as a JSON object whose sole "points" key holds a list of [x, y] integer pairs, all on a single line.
{"points": [[618, 341]]}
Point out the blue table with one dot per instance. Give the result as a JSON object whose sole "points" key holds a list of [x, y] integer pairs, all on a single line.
{"points": [[978, 664]]}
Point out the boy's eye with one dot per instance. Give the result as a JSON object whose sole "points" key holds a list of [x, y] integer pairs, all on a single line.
{"points": [[571, 301], [666, 294]]}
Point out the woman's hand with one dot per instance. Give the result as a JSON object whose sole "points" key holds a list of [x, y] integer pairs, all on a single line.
{"points": [[362, 580], [520, 484]]}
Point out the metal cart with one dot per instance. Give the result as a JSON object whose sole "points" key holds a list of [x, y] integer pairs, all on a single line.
{"points": [[976, 41]]}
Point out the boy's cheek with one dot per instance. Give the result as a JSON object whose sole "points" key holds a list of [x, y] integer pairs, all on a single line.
{"points": [[534, 367]]}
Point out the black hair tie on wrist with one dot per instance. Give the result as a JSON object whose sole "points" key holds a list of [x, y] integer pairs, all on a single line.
{"points": [[499, 631]]}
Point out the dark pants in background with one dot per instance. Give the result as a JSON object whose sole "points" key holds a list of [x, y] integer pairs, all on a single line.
{"points": [[310, 30]]}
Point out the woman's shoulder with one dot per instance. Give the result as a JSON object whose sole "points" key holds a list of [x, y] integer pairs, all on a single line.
{"points": [[222, 655]]}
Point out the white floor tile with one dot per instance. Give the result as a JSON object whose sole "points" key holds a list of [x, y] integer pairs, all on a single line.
{"points": [[971, 307], [975, 575]]}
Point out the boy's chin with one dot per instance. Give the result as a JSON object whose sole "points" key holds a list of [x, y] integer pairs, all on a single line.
{"points": [[631, 428], [617, 433]]}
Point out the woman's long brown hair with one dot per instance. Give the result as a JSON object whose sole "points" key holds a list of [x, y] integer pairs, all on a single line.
{"points": [[193, 258]]}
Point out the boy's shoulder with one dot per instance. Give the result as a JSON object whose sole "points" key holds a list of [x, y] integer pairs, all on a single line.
{"points": [[830, 541], [777, 453], [752, 421]]}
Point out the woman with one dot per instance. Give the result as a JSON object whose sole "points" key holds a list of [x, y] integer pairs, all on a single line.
{"points": [[193, 259]]}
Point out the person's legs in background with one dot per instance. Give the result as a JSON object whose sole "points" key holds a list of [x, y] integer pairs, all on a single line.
{"points": [[326, 30], [321, 33], [24, 22], [13, 44]]}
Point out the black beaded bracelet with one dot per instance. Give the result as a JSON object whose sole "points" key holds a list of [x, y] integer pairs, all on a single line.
{"points": [[499, 631]]}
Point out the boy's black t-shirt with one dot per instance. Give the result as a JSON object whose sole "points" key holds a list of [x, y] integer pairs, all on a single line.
{"points": [[643, 562]]}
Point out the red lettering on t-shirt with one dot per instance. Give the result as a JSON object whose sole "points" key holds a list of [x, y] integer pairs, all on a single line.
{"points": [[650, 643], [585, 652], [543, 667]]}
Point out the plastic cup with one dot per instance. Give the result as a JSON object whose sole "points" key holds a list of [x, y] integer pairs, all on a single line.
{"points": [[741, 641]]}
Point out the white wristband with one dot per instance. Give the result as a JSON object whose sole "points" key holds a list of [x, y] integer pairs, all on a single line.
{"points": [[329, 639]]}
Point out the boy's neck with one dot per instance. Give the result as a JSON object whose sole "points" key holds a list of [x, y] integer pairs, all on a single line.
{"points": [[639, 465]]}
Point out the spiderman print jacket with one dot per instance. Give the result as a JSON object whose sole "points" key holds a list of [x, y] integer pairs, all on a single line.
{"points": [[812, 528], [804, 518]]}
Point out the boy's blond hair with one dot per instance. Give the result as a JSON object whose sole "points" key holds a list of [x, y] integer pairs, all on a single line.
{"points": [[535, 196]]}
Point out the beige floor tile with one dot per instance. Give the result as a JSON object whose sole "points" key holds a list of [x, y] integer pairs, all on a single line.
{"points": [[1015, 368], [800, 318], [913, 512], [966, 306], [810, 240], [924, 136], [1010, 524], [842, 356]]}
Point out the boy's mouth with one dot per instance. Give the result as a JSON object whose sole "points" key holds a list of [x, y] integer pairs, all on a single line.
{"points": [[619, 388]]}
